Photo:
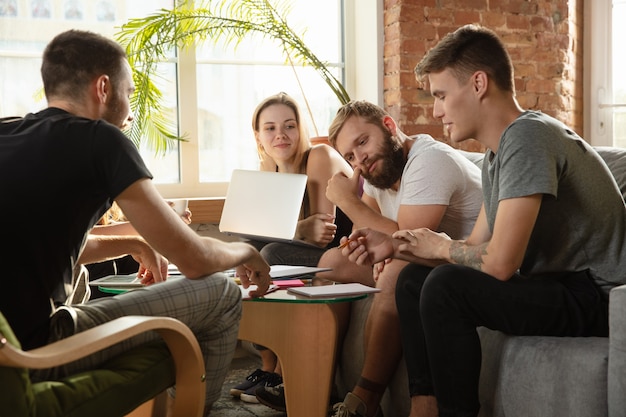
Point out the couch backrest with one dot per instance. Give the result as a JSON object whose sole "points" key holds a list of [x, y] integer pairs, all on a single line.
{"points": [[615, 158]]}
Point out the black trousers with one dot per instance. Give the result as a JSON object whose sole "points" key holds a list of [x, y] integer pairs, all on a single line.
{"points": [[441, 308]]}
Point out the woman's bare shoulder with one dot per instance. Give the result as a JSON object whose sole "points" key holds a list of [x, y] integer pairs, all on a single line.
{"points": [[325, 156]]}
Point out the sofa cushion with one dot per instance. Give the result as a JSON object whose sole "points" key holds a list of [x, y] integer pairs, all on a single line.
{"points": [[116, 388], [555, 376]]}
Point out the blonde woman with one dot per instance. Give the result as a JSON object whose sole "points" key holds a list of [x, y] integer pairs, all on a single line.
{"points": [[283, 146]]}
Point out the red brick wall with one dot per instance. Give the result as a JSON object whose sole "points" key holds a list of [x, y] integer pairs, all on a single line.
{"points": [[543, 37]]}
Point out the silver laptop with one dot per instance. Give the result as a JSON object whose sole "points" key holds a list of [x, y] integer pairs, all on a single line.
{"points": [[263, 206]]}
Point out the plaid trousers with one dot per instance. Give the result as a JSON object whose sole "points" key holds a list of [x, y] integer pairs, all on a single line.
{"points": [[209, 306]]}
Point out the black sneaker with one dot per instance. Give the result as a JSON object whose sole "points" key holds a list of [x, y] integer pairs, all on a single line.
{"points": [[251, 380], [273, 397], [271, 380]]}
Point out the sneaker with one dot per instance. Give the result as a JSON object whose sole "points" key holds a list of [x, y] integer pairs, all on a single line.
{"points": [[351, 406], [251, 381], [273, 397], [271, 380]]}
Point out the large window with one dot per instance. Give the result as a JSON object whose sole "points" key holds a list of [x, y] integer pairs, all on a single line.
{"points": [[605, 85], [211, 90]]}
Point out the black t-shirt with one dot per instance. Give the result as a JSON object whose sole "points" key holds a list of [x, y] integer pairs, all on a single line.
{"points": [[64, 171]]}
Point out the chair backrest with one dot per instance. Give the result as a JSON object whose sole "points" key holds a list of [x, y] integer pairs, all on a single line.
{"points": [[16, 395], [113, 389]]}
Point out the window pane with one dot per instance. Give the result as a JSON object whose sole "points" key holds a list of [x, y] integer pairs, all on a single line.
{"points": [[232, 81], [165, 167], [227, 97], [229, 84], [619, 67], [26, 27]]}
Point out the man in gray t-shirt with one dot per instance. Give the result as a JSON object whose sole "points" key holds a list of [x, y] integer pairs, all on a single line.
{"points": [[578, 195], [546, 249]]}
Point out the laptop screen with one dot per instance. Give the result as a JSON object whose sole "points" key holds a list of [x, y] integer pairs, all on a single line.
{"points": [[263, 205]]}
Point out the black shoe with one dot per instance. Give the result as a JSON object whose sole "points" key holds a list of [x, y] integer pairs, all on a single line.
{"points": [[270, 380], [273, 397], [251, 380]]}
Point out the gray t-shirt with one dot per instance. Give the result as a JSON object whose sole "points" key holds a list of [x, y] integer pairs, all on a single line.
{"points": [[435, 173], [582, 220]]}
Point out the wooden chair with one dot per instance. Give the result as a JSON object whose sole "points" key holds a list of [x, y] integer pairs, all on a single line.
{"points": [[119, 386]]}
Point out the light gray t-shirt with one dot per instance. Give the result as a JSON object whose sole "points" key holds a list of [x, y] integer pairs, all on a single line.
{"points": [[582, 220], [435, 173]]}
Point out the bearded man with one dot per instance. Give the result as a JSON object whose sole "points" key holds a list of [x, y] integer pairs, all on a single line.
{"points": [[410, 182]]}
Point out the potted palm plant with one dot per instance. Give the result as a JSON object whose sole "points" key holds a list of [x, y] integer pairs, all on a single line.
{"points": [[148, 41]]}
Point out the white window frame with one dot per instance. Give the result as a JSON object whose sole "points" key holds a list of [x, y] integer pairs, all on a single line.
{"points": [[363, 78], [598, 73]]}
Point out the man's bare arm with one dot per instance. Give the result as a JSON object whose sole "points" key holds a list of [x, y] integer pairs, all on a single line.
{"points": [[502, 255], [472, 256]]}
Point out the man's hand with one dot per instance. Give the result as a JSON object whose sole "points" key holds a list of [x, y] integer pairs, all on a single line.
{"points": [[255, 271], [367, 247], [341, 187], [423, 243], [152, 265]]}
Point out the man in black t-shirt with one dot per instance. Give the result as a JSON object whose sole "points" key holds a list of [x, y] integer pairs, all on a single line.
{"points": [[73, 159]]}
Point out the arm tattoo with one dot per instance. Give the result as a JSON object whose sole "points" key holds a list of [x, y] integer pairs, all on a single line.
{"points": [[471, 256]]}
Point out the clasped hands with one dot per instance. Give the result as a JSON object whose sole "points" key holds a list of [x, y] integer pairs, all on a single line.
{"points": [[368, 246]]}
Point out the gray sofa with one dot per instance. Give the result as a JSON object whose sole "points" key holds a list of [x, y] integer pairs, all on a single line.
{"points": [[525, 376]]}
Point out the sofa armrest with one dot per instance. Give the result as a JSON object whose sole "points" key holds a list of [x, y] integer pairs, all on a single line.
{"points": [[617, 352]]}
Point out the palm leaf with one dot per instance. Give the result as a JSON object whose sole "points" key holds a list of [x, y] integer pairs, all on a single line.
{"points": [[150, 39]]}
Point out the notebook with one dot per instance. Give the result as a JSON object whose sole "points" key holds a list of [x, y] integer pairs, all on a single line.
{"points": [[337, 290], [263, 206]]}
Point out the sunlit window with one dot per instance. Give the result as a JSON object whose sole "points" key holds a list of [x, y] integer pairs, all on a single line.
{"points": [[211, 93], [605, 98], [231, 82], [619, 67]]}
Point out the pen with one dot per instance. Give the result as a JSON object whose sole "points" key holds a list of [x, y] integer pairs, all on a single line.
{"points": [[344, 244]]}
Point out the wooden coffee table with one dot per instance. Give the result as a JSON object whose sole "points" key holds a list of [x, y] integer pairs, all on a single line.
{"points": [[305, 334]]}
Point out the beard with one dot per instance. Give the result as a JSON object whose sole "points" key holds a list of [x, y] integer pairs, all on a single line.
{"points": [[391, 163], [114, 112]]}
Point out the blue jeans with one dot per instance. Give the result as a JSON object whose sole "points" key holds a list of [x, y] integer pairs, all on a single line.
{"points": [[440, 309]]}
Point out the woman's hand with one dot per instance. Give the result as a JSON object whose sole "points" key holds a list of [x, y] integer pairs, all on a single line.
{"points": [[318, 229], [185, 216]]}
